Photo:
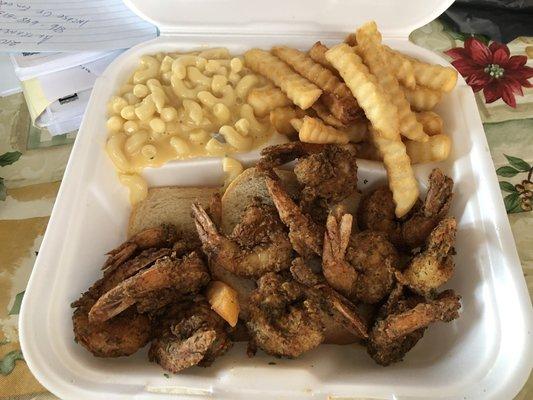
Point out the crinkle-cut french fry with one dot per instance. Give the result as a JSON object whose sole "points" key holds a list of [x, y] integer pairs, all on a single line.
{"points": [[311, 70], [302, 92], [402, 68], [313, 130], [433, 76], [351, 39], [345, 109], [367, 151], [318, 54], [436, 149], [267, 98], [431, 121], [341, 102], [373, 100], [369, 48], [224, 300], [280, 118], [422, 98], [325, 115], [402, 181]]}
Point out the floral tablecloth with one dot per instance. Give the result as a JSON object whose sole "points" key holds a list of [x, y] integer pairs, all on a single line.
{"points": [[32, 164]]}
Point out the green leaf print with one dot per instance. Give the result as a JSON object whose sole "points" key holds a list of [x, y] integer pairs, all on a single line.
{"points": [[512, 201], [7, 364], [518, 163], [3, 192], [9, 158], [15, 309], [507, 171], [507, 187]]}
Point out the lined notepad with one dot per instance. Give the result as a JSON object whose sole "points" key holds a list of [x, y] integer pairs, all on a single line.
{"points": [[70, 25]]}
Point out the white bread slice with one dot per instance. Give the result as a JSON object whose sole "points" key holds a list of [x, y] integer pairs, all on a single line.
{"points": [[169, 205], [249, 184]]}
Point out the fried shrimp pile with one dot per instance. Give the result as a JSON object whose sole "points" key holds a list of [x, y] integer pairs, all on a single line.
{"points": [[259, 244], [376, 212], [197, 338], [296, 272], [120, 313]]}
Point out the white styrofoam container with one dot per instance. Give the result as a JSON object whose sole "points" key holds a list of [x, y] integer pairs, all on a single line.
{"points": [[486, 354]]}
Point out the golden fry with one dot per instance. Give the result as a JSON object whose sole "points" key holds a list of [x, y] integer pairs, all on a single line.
{"points": [[402, 67], [280, 118], [431, 121], [325, 115], [313, 130], [351, 39], [434, 76], [370, 49], [436, 149], [373, 100], [302, 92], [267, 98], [422, 98], [341, 102], [402, 181], [318, 54]]}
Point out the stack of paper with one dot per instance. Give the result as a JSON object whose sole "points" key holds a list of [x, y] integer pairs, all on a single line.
{"points": [[59, 48]]}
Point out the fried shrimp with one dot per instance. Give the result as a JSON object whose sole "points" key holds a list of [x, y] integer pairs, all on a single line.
{"points": [[436, 206], [119, 336], [326, 172], [124, 334], [161, 236], [404, 322], [196, 339], [259, 244], [336, 309], [434, 266], [376, 212], [284, 317], [186, 275], [305, 235], [360, 266]]}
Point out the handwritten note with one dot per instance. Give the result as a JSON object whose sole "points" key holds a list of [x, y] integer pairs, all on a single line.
{"points": [[74, 25]]}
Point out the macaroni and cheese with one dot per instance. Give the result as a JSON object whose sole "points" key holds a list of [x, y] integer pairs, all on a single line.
{"points": [[177, 106]]}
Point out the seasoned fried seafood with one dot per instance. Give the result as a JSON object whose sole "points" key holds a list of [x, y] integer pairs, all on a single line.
{"points": [[434, 266], [284, 317], [305, 235], [376, 212], [124, 334], [161, 236], [197, 339], [436, 206], [360, 266], [119, 336], [336, 310], [186, 275], [327, 172], [407, 318], [259, 244]]}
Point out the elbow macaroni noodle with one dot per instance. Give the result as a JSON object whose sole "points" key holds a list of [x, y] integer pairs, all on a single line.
{"points": [[178, 106]]}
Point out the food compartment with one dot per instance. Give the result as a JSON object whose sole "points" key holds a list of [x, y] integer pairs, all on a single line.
{"points": [[449, 358]]}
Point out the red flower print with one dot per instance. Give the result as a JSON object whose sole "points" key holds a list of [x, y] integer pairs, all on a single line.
{"points": [[492, 69]]}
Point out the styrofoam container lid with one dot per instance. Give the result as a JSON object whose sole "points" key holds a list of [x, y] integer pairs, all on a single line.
{"points": [[396, 18]]}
